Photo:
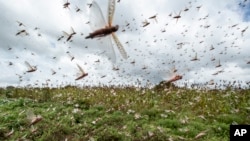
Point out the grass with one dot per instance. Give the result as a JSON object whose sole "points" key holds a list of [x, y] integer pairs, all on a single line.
{"points": [[114, 114]]}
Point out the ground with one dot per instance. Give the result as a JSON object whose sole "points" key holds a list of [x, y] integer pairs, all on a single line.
{"points": [[129, 113]]}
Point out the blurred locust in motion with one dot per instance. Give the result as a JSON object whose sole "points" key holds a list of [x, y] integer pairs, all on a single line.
{"points": [[101, 29]]}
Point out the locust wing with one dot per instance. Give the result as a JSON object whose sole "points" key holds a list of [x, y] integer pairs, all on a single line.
{"points": [[108, 49], [96, 18], [80, 68], [120, 47], [111, 11], [28, 65]]}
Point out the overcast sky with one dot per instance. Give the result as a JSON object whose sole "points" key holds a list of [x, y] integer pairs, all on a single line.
{"points": [[217, 31]]}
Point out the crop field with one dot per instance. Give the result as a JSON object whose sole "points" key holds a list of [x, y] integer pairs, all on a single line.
{"points": [[121, 113]]}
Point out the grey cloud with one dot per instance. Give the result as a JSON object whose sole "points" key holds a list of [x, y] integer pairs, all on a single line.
{"points": [[158, 51]]}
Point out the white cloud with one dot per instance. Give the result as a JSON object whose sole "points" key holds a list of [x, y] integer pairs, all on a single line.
{"points": [[149, 47]]}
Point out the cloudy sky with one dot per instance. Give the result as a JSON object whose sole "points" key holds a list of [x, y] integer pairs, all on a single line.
{"points": [[211, 33]]}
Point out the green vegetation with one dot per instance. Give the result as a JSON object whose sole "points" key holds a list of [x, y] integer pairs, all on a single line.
{"points": [[114, 114]]}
